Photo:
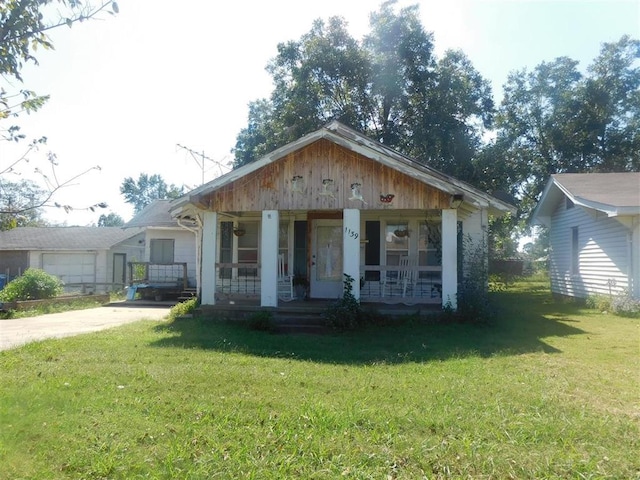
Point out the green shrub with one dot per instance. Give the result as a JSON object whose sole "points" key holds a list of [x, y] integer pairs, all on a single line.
{"points": [[346, 313], [183, 308], [474, 305], [626, 306], [34, 284], [601, 303]]}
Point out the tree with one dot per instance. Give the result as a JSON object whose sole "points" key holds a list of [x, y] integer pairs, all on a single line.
{"points": [[24, 27], [322, 76], [147, 189], [21, 202], [554, 119], [110, 220], [18, 201], [389, 86]]}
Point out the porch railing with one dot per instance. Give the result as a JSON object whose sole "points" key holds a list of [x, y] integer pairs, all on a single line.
{"points": [[378, 283], [158, 274], [394, 283], [238, 278]]}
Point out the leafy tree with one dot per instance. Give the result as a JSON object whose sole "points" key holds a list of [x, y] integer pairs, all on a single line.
{"points": [[18, 201], [24, 27], [322, 76], [146, 189], [21, 202], [110, 220], [389, 86], [555, 119]]}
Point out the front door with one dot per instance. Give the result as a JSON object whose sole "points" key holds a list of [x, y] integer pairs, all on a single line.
{"points": [[119, 272], [326, 259]]}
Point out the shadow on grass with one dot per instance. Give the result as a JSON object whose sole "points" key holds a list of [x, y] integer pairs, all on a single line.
{"points": [[523, 321]]}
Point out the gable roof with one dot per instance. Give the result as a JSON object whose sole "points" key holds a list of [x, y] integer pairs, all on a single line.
{"points": [[356, 142], [614, 194], [64, 238], [156, 214]]}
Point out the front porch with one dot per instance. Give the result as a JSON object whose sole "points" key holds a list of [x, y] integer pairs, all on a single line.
{"points": [[261, 259]]}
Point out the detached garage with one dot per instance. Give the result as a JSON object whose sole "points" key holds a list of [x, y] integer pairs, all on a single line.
{"points": [[87, 259]]}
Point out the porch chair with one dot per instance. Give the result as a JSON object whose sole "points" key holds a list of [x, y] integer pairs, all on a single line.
{"points": [[404, 278], [285, 281]]}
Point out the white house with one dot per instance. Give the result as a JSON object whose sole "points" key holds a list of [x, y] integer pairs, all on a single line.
{"points": [[331, 203], [594, 232], [170, 249], [88, 259]]}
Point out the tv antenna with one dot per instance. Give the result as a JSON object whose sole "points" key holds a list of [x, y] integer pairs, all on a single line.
{"points": [[200, 158]]}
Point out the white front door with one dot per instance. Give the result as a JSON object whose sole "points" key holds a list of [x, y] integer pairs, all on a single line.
{"points": [[326, 259]]}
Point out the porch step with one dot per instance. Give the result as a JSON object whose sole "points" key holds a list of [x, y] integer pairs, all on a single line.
{"points": [[187, 294]]}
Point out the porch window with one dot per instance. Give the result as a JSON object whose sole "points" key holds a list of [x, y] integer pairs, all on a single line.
{"points": [[300, 248], [430, 243], [161, 250], [396, 242], [283, 245], [248, 248], [226, 248]]}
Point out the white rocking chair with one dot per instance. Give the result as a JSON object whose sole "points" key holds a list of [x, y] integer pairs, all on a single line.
{"points": [[404, 278], [285, 281]]}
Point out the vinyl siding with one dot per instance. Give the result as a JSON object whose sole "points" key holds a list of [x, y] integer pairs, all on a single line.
{"points": [[603, 245], [184, 248]]}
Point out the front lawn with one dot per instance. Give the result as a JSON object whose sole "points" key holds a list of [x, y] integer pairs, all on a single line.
{"points": [[547, 390]]}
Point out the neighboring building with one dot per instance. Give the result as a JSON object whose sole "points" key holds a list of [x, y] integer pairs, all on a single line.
{"points": [[335, 202], [87, 259], [169, 244], [594, 232]]}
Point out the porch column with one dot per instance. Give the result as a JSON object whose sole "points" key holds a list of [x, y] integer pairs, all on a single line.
{"points": [[269, 259], [208, 258], [634, 260], [450, 257], [351, 247]]}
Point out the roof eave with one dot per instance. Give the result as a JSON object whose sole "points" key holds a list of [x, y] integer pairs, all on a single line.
{"points": [[356, 142]]}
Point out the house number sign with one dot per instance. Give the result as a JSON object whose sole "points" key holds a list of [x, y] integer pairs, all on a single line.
{"points": [[350, 233]]}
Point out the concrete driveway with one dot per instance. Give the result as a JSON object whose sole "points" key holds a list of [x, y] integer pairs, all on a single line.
{"points": [[15, 332]]}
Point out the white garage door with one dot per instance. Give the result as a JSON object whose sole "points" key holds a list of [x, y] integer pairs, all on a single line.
{"points": [[71, 267]]}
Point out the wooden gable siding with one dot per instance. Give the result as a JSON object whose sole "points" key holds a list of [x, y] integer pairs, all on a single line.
{"points": [[604, 253], [270, 188]]}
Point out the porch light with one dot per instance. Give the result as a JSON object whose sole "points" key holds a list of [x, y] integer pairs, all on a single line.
{"points": [[238, 232], [456, 200]]}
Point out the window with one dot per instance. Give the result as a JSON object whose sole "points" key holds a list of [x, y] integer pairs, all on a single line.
{"points": [[430, 241], [283, 245], [396, 242], [248, 248], [226, 248], [300, 247], [575, 251], [162, 250]]}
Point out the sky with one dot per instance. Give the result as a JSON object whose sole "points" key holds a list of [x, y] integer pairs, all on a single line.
{"points": [[126, 90]]}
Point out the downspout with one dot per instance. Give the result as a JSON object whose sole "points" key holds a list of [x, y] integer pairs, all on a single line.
{"points": [[196, 232]]}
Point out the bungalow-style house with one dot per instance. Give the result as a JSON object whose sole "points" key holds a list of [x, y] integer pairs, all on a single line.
{"points": [[86, 259], [335, 203], [169, 260], [594, 233]]}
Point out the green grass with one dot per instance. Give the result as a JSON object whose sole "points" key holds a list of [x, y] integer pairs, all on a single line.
{"points": [[546, 391]]}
